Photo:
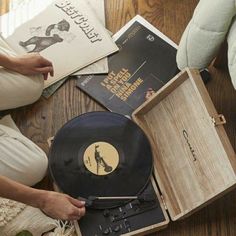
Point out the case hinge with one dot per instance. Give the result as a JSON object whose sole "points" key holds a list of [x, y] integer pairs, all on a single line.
{"points": [[164, 203], [218, 120]]}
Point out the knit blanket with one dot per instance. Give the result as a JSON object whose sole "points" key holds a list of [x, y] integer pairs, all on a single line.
{"points": [[16, 217]]}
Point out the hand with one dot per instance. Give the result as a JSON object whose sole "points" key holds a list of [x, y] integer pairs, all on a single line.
{"points": [[31, 64], [61, 206]]}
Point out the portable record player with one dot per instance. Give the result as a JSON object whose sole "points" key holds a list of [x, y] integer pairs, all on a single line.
{"points": [[193, 160], [93, 158]]}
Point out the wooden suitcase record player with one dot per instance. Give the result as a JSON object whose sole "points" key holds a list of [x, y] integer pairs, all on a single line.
{"points": [[194, 162]]}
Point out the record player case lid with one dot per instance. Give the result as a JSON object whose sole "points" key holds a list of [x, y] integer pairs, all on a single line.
{"points": [[193, 158]]}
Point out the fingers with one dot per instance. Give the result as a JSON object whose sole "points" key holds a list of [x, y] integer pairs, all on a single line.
{"points": [[76, 213], [45, 76], [45, 62], [78, 209], [51, 72], [72, 209], [77, 202], [44, 66], [31, 64], [82, 211], [47, 65], [45, 70]]}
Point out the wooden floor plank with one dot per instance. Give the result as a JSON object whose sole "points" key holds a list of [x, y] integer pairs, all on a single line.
{"points": [[4, 6]]}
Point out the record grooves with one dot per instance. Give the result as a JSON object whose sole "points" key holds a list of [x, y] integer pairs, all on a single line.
{"points": [[101, 154]]}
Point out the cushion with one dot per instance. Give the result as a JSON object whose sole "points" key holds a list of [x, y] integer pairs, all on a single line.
{"points": [[205, 33]]}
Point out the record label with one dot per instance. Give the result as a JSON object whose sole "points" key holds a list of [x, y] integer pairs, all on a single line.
{"points": [[101, 158]]}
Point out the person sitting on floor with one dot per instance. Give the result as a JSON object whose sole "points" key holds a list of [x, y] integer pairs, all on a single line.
{"points": [[22, 163]]}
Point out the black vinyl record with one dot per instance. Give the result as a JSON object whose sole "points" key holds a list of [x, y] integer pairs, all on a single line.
{"points": [[101, 154]]}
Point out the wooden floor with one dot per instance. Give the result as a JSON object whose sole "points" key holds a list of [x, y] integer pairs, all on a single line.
{"points": [[42, 119]]}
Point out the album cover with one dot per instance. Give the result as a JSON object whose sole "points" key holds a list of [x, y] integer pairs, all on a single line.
{"points": [[20, 12], [145, 62], [67, 33], [101, 66]]}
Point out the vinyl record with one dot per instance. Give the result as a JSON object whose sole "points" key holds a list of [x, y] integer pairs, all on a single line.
{"points": [[100, 154]]}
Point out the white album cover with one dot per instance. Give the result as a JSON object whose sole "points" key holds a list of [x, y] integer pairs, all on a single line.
{"points": [[67, 33], [101, 66]]}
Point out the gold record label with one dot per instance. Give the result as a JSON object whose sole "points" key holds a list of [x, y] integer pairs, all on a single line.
{"points": [[101, 158]]}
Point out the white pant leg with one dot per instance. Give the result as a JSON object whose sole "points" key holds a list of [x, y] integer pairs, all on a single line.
{"points": [[232, 52], [15, 89], [205, 33], [20, 159]]}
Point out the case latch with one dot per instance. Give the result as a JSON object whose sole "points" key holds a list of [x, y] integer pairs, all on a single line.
{"points": [[218, 120], [164, 203]]}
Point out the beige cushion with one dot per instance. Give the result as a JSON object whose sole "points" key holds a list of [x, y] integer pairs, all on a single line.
{"points": [[205, 33]]}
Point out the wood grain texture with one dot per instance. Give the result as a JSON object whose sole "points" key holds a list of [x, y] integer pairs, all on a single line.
{"points": [[42, 119], [189, 156], [4, 6]]}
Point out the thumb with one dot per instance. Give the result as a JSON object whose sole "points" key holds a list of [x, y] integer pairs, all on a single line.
{"points": [[45, 76], [77, 202], [46, 69]]}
